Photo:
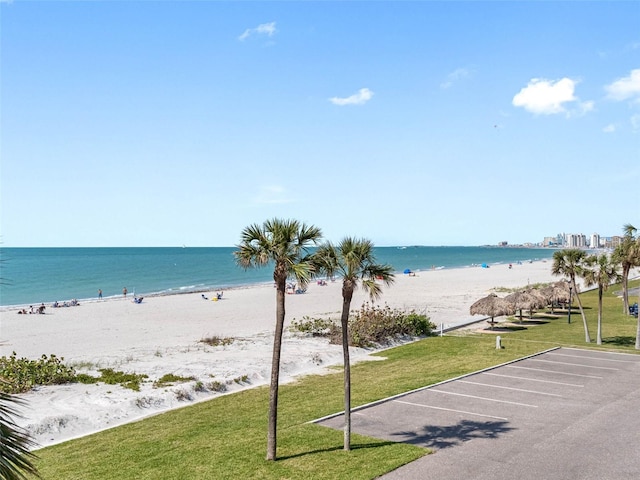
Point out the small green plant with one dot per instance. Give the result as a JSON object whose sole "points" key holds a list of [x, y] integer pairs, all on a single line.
{"points": [[242, 379], [217, 386], [183, 396], [144, 402], [216, 341], [199, 387], [169, 379]]}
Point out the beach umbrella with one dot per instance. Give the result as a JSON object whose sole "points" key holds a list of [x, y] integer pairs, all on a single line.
{"points": [[524, 300], [493, 306]]}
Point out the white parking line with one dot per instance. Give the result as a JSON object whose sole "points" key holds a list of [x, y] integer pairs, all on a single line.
{"points": [[591, 358], [450, 410], [510, 388], [551, 371], [571, 364], [534, 380], [482, 398]]}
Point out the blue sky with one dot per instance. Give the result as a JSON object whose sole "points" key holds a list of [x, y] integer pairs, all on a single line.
{"points": [[432, 123]]}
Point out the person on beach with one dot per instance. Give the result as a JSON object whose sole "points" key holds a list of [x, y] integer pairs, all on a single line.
{"points": [[99, 294], [124, 292]]}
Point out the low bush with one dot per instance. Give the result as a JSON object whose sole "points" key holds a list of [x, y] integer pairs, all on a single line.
{"points": [[373, 325], [317, 327], [21, 374], [169, 379]]}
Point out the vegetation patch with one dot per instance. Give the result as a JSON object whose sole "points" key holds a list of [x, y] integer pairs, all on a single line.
{"points": [[317, 327], [369, 326], [21, 374], [127, 380], [217, 386], [217, 341], [169, 379]]}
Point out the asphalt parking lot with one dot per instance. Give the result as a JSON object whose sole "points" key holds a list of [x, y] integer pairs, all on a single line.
{"points": [[563, 414]]}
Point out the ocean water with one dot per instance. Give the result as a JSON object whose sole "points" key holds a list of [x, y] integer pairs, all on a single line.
{"points": [[34, 275]]}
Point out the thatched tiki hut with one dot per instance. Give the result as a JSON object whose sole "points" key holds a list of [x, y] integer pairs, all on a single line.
{"points": [[556, 293], [492, 306], [526, 301]]}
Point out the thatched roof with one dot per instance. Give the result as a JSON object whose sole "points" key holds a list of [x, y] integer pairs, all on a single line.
{"points": [[492, 306], [556, 292], [525, 300]]}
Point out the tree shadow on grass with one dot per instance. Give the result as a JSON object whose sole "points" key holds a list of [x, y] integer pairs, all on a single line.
{"points": [[354, 446], [620, 341], [447, 436]]}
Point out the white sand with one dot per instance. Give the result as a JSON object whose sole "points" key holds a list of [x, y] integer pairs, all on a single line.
{"points": [[162, 335]]}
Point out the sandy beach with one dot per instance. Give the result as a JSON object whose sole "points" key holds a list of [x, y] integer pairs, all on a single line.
{"points": [[163, 334]]}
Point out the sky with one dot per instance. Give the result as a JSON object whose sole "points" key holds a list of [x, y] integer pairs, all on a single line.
{"points": [[170, 123]]}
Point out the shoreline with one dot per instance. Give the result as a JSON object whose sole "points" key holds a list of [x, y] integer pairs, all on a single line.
{"points": [[163, 334], [176, 273]]}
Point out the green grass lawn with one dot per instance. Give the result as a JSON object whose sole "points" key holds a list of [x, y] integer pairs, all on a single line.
{"points": [[226, 436]]}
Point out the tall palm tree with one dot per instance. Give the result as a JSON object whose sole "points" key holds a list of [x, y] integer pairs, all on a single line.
{"points": [[354, 261], [638, 327], [627, 255], [15, 456], [600, 270], [569, 263], [285, 243]]}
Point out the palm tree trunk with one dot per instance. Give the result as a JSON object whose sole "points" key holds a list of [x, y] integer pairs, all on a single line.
{"points": [[625, 288], [275, 370], [599, 334], [587, 337], [638, 329], [344, 320]]}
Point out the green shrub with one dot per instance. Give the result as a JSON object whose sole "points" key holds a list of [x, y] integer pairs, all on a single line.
{"points": [[216, 386], [21, 374], [317, 327], [373, 325]]}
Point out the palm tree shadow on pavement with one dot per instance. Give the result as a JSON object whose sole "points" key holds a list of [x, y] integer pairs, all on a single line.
{"points": [[440, 437]]}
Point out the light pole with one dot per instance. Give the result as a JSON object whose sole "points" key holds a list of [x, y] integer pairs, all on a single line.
{"points": [[569, 315]]}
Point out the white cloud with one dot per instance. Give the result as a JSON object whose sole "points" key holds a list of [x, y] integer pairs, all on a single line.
{"points": [[454, 76], [635, 122], [547, 97], [625, 87], [268, 29], [609, 128], [360, 98], [272, 194]]}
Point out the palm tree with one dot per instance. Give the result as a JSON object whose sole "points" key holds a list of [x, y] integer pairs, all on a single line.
{"points": [[354, 261], [568, 262], [600, 270], [638, 327], [284, 243], [15, 456], [627, 255]]}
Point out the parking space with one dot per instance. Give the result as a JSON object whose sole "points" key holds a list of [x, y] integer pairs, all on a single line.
{"points": [[562, 409]]}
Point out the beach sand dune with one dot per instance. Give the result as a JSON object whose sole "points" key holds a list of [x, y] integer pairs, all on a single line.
{"points": [[163, 334]]}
